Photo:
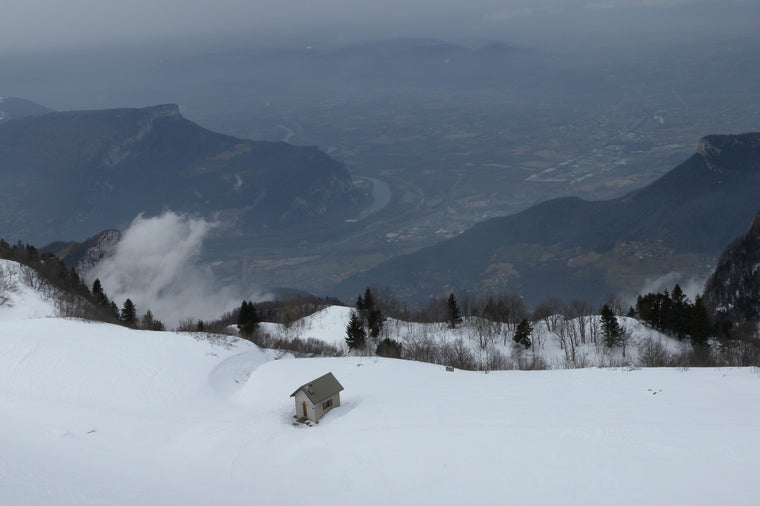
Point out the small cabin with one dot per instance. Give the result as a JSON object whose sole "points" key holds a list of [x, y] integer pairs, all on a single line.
{"points": [[317, 397]]}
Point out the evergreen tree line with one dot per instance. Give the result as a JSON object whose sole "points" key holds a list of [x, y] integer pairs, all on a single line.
{"points": [[366, 323], [98, 306], [47, 265], [248, 319], [674, 314]]}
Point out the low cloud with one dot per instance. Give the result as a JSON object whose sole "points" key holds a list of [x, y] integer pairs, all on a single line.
{"points": [[690, 286], [156, 265]]}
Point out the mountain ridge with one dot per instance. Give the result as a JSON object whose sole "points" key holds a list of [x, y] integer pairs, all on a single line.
{"points": [[734, 287], [569, 247], [14, 107], [70, 174]]}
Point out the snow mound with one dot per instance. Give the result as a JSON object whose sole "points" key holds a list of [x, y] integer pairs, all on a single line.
{"points": [[327, 325], [110, 367]]}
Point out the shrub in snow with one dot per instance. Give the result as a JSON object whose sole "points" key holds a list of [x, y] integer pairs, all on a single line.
{"points": [[388, 348]]}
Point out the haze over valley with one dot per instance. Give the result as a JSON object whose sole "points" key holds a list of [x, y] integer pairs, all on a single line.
{"points": [[437, 135], [521, 236]]}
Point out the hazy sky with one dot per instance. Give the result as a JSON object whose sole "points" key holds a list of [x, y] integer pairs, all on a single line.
{"points": [[38, 24]]}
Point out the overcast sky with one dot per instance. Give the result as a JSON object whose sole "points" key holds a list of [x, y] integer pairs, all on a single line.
{"points": [[41, 24]]}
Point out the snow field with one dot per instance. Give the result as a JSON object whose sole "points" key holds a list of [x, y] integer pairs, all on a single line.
{"points": [[94, 414]]}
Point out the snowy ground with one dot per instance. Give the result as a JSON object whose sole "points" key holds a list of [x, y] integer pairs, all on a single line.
{"points": [[94, 414]]}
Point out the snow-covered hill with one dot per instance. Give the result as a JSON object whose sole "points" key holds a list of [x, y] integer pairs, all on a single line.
{"points": [[94, 414], [551, 338]]}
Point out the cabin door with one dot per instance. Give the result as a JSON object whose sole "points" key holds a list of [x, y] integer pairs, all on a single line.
{"points": [[305, 415]]}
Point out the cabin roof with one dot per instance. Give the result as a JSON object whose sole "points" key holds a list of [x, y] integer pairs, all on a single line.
{"points": [[321, 388]]}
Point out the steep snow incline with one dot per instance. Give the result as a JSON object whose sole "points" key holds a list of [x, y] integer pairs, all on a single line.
{"points": [[20, 295], [327, 325]]}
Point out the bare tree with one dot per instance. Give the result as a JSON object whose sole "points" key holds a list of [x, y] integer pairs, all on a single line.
{"points": [[615, 303], [30, 277], [419, 344], [6, 286], [581, 311], [550, 312], [652, 353], [484, 333], [457, 354]]}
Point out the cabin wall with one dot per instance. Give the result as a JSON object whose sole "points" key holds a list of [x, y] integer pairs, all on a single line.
{"points": [[311, 412], [323, 407]]}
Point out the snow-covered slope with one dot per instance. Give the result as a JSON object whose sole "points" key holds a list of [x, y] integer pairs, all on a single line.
{"points": [[94, 414], [21, 296], [549, 339], [91, 414]]}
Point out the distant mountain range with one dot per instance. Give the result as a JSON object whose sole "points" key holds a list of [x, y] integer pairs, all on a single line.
{"points": [[395, 62], [69, 175], [13, 107], [571, 248]]}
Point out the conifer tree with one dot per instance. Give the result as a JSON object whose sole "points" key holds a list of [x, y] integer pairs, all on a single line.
{"points": [[369, 300], [149, 322], [356, 336], [455, 315], [114, 310], [97, 292], [371, 316], [699, 322], [610, 327], [522, 333], [248, 319], [128, 313]]}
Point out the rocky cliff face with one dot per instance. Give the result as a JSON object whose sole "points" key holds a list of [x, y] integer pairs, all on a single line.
{"points": [[120, 148], [715, 149], [84, 255], [734, 287]]}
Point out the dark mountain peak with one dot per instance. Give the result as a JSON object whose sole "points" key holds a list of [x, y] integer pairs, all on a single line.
{"points": [[754, 228], [84, 255], [734, 287], [730, 152]]}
